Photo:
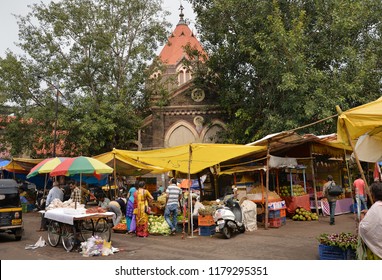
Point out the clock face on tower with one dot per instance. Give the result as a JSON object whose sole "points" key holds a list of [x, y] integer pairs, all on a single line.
{"points": [[197, 95]]}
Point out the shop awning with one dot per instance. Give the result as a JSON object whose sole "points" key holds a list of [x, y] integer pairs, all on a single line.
{"points": [[192, 158], [21, 165], [365, 121], [360, 120], [126, 166]]}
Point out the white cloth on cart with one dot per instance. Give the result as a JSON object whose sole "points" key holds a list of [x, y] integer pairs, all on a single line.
{"points": [[249, 210]]}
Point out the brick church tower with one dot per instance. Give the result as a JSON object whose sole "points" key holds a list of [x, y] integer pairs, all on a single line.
{"points": [[181, 113]]}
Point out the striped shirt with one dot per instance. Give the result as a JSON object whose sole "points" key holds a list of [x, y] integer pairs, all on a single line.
{"points": [[173, 193]]}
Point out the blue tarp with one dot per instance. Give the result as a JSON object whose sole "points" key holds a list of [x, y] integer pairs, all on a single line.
{"points": [[38, 180], [4, 162], [91, 180]]}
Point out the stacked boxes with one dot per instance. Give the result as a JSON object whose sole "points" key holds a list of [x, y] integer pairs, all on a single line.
{"points": [[277, 218], [206, 220], [206, 225], [207, 230]]}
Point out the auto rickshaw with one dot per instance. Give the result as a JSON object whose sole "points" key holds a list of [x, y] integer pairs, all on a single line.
{"points": [[10, 208]]}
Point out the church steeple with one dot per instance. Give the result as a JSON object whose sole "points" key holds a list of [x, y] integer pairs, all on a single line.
{"points": [[181, 16]]}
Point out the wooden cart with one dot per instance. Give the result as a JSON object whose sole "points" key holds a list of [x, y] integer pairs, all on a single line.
{"points": [[72, 228]]}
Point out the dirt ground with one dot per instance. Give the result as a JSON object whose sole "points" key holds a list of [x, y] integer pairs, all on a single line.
{"points": [[296, 240]]}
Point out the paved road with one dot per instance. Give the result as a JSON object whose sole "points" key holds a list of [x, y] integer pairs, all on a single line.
{"points": [[294, 241]]}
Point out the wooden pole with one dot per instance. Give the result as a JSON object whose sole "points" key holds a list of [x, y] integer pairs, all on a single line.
{"points": [[313, 179], [356, 157], [115, 175], [267, 188], [190, 221]]}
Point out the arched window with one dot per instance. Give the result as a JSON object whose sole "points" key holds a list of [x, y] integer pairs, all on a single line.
{"points": [[188, 75], [181, 77]]}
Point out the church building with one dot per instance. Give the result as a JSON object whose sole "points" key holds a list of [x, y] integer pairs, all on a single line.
{"points": [[181, 113]]}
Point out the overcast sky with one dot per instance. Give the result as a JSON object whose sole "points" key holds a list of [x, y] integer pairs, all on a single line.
{"points": [[9, 27]]}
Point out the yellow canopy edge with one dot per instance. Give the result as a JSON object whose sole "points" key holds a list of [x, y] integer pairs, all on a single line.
{"points": [[202, 156], [363, 119]]}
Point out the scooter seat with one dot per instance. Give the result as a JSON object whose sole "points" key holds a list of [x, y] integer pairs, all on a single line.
{"points": [[237, 212]]}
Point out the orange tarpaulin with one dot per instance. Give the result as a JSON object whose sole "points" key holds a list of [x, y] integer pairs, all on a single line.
{"points": [[294, 202]]}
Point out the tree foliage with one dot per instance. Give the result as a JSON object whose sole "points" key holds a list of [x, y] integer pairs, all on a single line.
{"points": [[93, 54], [278, 65]]}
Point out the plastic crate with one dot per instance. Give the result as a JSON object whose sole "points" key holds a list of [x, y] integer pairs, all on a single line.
{"points": [[272, 214], [24, 207], [275, 223], [30, 207], [282, 212], [331, 253], [206, 220], [206, 230], [351, 254]]}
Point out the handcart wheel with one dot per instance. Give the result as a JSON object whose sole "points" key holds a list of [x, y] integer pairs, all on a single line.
{"points": [[102, 229], [54, 233], [68, 237], [85, 229]]}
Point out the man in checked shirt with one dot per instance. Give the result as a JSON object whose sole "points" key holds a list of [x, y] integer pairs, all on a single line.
{"points": [[76, 194]]}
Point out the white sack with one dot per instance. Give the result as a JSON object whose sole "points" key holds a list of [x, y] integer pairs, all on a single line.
{"points": [[249, 210]]}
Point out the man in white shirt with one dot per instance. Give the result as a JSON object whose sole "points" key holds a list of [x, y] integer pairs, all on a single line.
{"points": [[173, 196], [55, 192]]}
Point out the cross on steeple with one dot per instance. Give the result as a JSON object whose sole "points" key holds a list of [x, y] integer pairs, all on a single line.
{"points": [[181, 15]]}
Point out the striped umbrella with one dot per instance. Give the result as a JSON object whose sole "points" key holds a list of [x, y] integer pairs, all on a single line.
{"points": [[81, 165], [46, 166]]}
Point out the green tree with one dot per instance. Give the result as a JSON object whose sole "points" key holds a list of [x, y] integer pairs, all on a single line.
{"points": [[92, 53], [278, 65]]}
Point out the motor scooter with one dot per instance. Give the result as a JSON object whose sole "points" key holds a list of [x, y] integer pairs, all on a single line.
{"points": [[229, 218], [40, 200]]}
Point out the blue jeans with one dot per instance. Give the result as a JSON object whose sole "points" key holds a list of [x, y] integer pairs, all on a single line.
{"points": [[359, 199], [171, 209], [332, 206]]}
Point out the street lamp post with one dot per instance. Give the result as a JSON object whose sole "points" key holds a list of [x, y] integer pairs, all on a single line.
{"points": [[55, 124], [55, 114]]}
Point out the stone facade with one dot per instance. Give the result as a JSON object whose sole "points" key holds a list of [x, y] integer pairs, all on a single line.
{"points": [[189, 115]]}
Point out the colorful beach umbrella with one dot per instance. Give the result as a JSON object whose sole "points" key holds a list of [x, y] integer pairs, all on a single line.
{"points": [[46, 166], [81, 165]]}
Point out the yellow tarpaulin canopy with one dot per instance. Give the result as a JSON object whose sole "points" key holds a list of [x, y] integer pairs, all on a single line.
{"points": [[202, 156], [360, 120], [21, 165], [125, 165]]}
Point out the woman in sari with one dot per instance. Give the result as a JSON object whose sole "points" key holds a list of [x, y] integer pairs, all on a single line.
{"points": [[141, 203], [130, 208]]}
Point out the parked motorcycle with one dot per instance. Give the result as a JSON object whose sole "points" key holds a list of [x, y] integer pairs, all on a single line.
{"points": [[40, 200], [229, 218]]}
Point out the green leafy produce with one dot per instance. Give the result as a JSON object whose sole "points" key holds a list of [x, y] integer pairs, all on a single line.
{"points": [[158, 225]]}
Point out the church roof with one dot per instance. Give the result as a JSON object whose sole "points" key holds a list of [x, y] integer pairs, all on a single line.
{"points": [[173, 52]]}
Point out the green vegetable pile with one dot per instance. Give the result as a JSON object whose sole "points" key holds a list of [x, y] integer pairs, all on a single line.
{"points": [[158, 225]]}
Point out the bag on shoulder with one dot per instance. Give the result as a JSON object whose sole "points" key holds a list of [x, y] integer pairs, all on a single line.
{"points": [[334, 190]]}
